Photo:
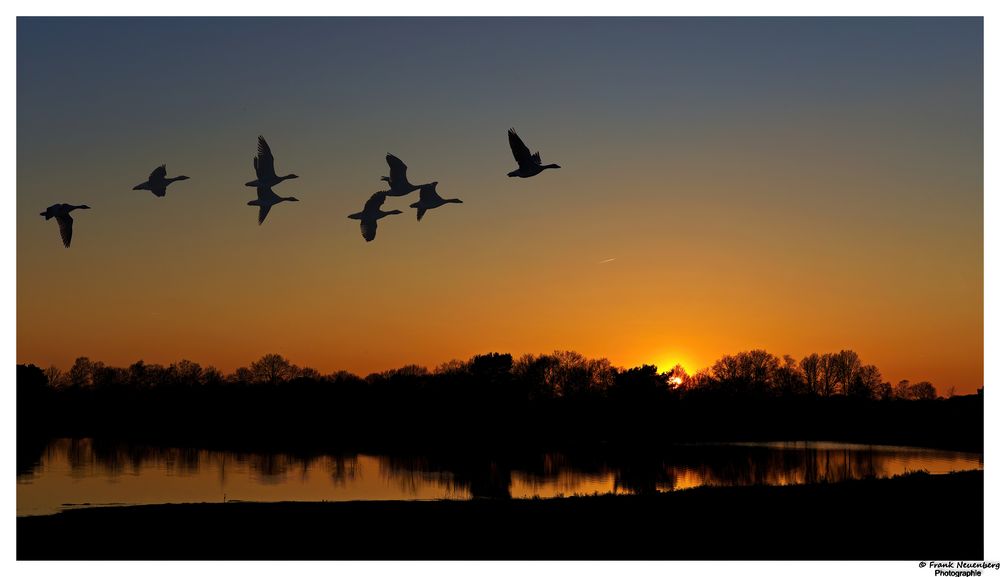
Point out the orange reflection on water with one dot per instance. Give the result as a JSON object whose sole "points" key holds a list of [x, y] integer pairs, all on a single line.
{"points": [[73, 473]]}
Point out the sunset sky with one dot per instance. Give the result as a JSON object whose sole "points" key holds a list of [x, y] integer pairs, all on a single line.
{"points": [[797, 185]]}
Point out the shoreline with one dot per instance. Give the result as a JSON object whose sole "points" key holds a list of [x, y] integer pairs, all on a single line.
{"points": [[870, 519]]}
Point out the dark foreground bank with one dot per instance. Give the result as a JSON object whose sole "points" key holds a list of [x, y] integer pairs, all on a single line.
{"points": [[914, 517]]}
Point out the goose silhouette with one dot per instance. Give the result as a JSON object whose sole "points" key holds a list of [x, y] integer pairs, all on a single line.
{"points": [[61, 214], [527, 164], [398, 184], [371, 213], [429, 199], [158, 181], [263, 164], [265, 200]]}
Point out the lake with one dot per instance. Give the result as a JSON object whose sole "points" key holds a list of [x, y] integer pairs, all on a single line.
{"points": [[72, 473]]}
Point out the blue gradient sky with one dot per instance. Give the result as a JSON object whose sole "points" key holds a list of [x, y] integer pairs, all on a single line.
{"points": [[794, 184]]}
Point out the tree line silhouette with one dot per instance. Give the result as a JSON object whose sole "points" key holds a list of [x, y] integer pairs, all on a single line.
{"points": [[562, 374], [496, 400]]}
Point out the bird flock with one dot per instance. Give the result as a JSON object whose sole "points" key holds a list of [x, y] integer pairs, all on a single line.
{"points": [[528, 165]]}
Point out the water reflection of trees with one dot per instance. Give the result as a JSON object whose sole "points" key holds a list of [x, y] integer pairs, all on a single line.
{"points": [[473, 476], [764, 465], [343, 470], [560, 473], [88, 456], [492, 476], [271, 468], [639, 473]]}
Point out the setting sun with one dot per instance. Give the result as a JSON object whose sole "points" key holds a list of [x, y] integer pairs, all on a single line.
{"points": [[751, 264], [666, 363]]}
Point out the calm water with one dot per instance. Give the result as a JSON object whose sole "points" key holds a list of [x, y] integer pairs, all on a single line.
{"points": [[83, 472]]}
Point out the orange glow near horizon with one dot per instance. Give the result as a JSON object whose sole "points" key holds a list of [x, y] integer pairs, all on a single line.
{"points": [[666, 363], [726, 185]]}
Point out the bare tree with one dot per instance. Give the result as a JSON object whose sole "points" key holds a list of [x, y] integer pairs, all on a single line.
{"points": [[883, 391], [211, 376], [600, 375], [103, 377], [788, 377], [307, 373], [187, 372], [241, 375], [80, 373], [54, 376], [531, 372], [408, 371], [846, 365], [452, 367], [700, 380], [678, 377], [866, 382], [726, 368], [924, 391], [567, 376], [272, 369], [810, 372], [759, 366], [827, 375], [747, 371]]}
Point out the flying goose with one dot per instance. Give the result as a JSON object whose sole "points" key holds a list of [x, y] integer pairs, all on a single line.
{"points": [[158, 181], [61, 214], [398, 184], [371, 213], [527, 164], [263, 164], [265, 200], [429, 199]]}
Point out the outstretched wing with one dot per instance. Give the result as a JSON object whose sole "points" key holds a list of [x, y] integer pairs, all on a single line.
{"points": [[428, 192], [521, 153], [65, 228], [264, 161], [397, 171], [420, 212], [161, 191], [368, 228], [262, 214], [375, 202], [158, 174]]}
